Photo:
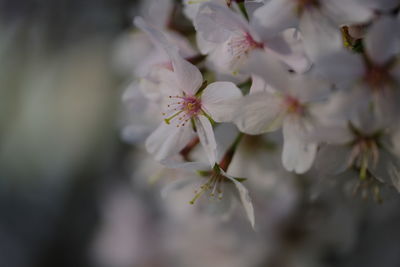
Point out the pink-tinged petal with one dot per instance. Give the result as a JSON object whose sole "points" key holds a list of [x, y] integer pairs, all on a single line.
{"points": [[259, 113], [217, 23], [168, 140], [207, 138], [218, 100], [351, 67], [347, 12], [320, 35], [276, 16], [381, 43], [244, 198], [298, 154]]}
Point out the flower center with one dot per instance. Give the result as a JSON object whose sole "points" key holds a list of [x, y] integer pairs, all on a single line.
{"points": [[239, 47], [364, 152], [181, 109], [293, 105], [213, 185]]}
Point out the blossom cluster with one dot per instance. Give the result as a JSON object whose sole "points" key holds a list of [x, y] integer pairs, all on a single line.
{"points": [[325, 73]]}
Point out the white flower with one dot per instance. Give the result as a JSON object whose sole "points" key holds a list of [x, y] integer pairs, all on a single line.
{"points": [[364, 147], [286, 104], [219, 185], [229, 39], [370, 81], [188, 106], [317, 20]]}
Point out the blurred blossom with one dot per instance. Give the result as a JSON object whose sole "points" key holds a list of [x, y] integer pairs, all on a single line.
{"points": [[199, 133]]}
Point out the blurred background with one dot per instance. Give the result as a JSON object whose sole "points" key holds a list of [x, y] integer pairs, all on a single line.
{"points": [[72, 193]]}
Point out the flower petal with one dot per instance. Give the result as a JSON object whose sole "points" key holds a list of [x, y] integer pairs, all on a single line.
{"points": [[320, 35], [276, 16], [217, 23], [244, 198], [270, 69], [207, 138], [259, 113], [218, 100], [381, 43], [351, 67], [168, 140], [348, 11], [332, 159], [298, 154], [188, 76]]}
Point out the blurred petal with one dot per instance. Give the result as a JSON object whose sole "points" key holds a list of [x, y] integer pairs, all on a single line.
{"points": [[351, 67], [217, 23], [320, 36], [276, 15], [381, 43], [298, 154]]}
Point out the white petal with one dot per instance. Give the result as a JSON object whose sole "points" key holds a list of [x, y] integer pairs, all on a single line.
{"points": [[259, 113], [168, 140], [347, 11], [207, 138], [320, 35], [383, 5], [291, 52], [204, 46], [298, 154], [188, 76], [332, 159], [276, 15], [341, 67], [307, 89], [157, 37], [381, 43], [244, 198], [217, 23], [258, 85], [218, 100], [270, 69]]}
